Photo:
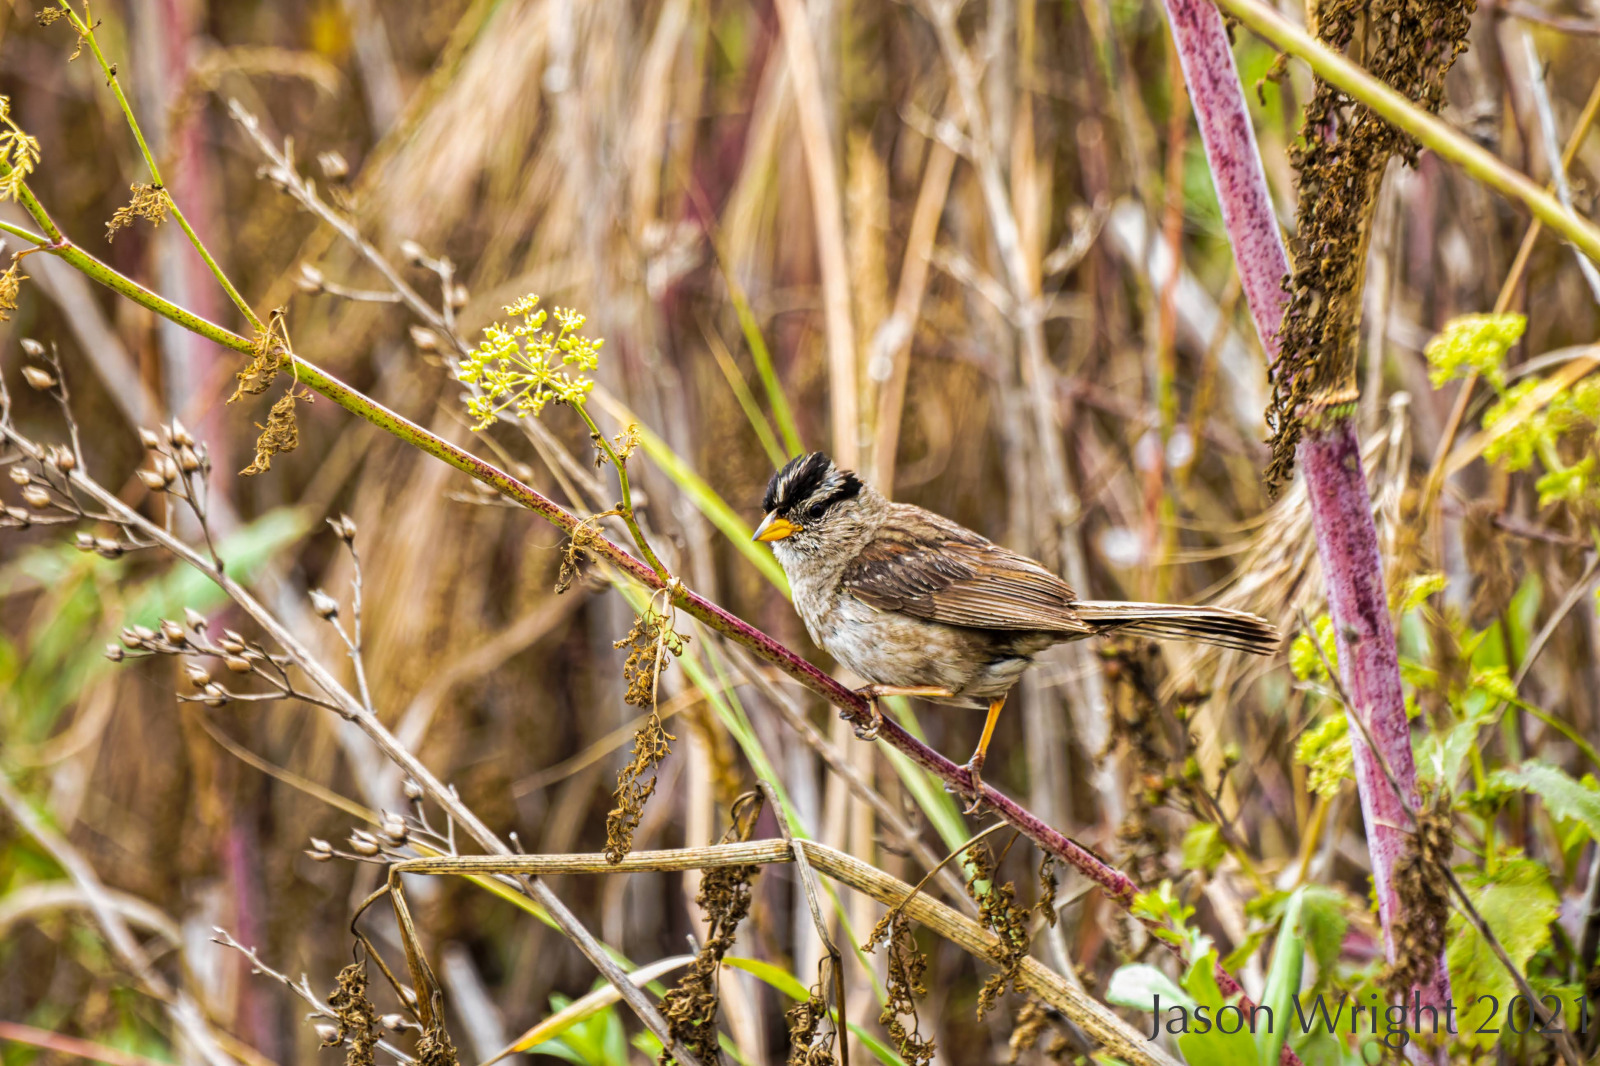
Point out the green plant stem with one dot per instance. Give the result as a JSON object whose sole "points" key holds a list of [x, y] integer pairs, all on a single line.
{"points": [[86, 31], [1429, 131], [625, 508]]}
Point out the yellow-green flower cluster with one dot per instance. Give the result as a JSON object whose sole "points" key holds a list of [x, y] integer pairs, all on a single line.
{"points": [[523, 366], [1471, 343]]}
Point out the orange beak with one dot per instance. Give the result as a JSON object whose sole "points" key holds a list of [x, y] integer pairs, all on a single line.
{"points": [[774, 528]]}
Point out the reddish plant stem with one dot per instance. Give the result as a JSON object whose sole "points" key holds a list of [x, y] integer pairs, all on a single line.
{"points": [[1230, 142], [1329, 456]]}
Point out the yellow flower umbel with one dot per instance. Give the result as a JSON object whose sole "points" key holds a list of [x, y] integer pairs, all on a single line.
{"points": [[524, 366]]}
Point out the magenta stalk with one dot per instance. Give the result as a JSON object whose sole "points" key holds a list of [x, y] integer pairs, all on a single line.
{"points": [[1330, 458]]}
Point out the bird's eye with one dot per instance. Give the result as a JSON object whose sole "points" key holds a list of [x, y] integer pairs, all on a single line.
{"points": [[815, 510]]}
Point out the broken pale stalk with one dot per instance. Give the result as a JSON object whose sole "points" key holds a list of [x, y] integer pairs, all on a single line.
{"points": [[1329, 455]]}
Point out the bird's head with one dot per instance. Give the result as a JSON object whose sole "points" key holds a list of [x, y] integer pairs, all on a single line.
{"points": [[810, 505]]}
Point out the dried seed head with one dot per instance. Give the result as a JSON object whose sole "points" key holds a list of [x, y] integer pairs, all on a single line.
{"points": [[328, 1034], [415, 254], [393, 1022], [232, 642], [149, 439], [198, 677], [320, 849], [62, 459], [215, 695], [180, 436], [84, 542], [459, 296], [168, 468], [38, 377], [237, 664], [19, 516], [393, 829], [108, 548], [188, 461], [32, 347], [174, 632], [20, 475], [36, 497], [193, 618], [310, 280], [364, 843], [324, 604], [114, 653], [153, 480], [344, 527], [145, 634], [412, 790], [333, 165], [424, 338]]}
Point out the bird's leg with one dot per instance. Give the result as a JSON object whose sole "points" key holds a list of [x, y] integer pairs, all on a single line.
{"points": [[873, 693], [974, 765]]}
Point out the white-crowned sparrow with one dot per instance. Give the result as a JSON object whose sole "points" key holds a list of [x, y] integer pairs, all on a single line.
{"points": [[918, 605]]}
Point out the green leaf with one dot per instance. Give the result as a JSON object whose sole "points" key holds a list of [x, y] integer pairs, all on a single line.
{"points": [[1137, 985], [1322, 916], [1214, 1047], [1562, 796], [1203, 847], [1283, 979], [1518, 904]]}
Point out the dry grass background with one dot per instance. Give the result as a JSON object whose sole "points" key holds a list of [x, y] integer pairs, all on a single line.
{"points": [[985, 320]]}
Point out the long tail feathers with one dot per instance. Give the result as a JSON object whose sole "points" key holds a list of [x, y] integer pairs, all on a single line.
{"points": [[1205, 625]]}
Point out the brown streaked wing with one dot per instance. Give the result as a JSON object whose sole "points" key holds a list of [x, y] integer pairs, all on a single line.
{"points": [[931, 568]]}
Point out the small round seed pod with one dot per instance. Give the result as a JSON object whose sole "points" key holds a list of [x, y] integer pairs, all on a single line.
{"points": [[36, 497], [62, 459], [149, 439], [324, 604], [364, 843], [152, 480], [413, 790], [188, 461], [39, 378], [415, 254], [333, 165], [237, 664], [180, 435], [32, 347], [424, 338], [393, 829], [320, 850], [174, 632], [194, 619], [393, 1022], [115, 653], [108, 548], [84, 542], [20, 475], [328, 1034], [310, 280], [198, 677]]}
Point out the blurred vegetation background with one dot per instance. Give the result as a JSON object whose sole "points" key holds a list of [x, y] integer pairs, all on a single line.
{"points": [[779, 247]]}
